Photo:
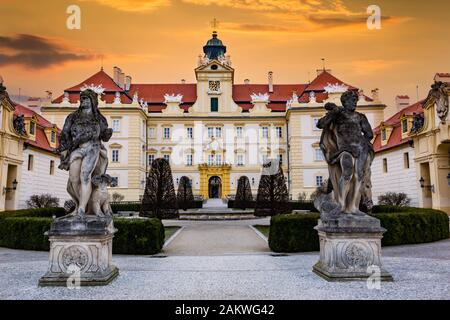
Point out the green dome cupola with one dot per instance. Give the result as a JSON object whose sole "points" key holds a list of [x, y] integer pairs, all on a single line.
{"points": [[214, 48]]}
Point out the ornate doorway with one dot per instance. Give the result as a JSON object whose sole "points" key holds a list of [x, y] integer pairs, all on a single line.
{"points": [[215, 188]]}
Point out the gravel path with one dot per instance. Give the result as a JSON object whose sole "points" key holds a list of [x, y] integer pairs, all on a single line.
{"points": [[227, 260], [214, 239], [247, 276]]}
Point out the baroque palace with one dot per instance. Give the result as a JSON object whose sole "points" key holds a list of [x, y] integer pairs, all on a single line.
{"points": [[214, 131]]}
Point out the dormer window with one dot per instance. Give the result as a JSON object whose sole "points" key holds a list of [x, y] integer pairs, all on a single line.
{"points": [[32, 128], [383, 134], [404, 126]]}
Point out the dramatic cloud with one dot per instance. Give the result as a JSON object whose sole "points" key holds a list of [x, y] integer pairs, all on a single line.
{"points": [[296, 15], [37, 52], [133, 5]]}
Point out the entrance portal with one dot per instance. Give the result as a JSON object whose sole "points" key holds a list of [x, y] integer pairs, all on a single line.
{"points": [[215, 188]]}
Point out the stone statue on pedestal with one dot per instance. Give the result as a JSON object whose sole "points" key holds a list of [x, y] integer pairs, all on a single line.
{"points": [[81, 242], [347, 148], [350, 240]]}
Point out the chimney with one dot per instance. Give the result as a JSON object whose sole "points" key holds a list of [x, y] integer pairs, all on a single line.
{"points": [[127, 83], [121, 79], [401, 102], [183, 81], [116, 73], [270, 82], [443, 77], [247, 81]]}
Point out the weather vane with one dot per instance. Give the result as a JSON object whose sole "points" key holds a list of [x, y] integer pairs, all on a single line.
{"points": [[215, 24]]}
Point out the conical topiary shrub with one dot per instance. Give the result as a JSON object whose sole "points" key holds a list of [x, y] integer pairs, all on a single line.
{"points": [[244, 195], [185, 196], [273, 196], [159, 199]]}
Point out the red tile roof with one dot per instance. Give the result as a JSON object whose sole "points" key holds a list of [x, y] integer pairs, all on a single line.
{"points": [[153, 94], [395, 138], [323, 79], [41, 141]]}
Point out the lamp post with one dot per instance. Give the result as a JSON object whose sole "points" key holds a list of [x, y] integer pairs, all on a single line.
{"points": [[423, 186], [13, 188]]}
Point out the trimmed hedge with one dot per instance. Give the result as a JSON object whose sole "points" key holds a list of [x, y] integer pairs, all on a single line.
{"points": [[36, 213], [137, 236], [413, 227], [296, 205], [24, 233], [136, 206], [295, 232]]}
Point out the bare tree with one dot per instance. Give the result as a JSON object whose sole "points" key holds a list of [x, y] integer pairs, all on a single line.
{"points": [[185, 196], [394, 199], [117, 197], [273, 196], [244, 194], [42, 201], [159, 199]]}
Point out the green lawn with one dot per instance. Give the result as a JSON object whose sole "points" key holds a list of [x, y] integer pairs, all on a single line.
{"points": [[169, 231], [263, 229]]}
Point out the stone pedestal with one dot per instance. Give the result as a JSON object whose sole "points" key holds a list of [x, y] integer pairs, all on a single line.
{"points": [[80, 252], [350, 249]]}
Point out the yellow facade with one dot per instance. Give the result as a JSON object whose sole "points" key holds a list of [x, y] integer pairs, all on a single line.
{"points": [[432, 145], [11, 146]]}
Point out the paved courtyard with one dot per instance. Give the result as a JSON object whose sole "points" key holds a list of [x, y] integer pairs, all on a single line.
{"points": [[228, 260]]}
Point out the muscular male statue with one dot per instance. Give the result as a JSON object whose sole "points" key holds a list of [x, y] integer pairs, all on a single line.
{"points": [[347, 148]]}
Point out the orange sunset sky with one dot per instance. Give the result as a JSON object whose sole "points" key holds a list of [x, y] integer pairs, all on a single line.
{"points": [[158, 41]]}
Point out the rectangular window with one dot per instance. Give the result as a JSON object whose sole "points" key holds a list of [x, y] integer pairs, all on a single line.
{"points": [[319, 154], [385, 165], [280, 159], [239, 132], [190, 133], [279, 131], [32, 127], [383, 134], [406, 160], [316, 121], [53, 137], [151, 158], [152, 133], [189, 160], [167, 157], [210, 132], [404, 126], [218, 160], [30, 162], [240, 160], [319, 181], [214, 104], [166, 133], [210, 159], [115, 155], [265, 132], [218, 132], [52, 167], [116, 125]]}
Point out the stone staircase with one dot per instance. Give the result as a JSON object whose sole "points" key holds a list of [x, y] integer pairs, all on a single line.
{"points": [[216, 209]]}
